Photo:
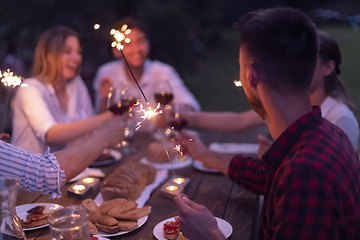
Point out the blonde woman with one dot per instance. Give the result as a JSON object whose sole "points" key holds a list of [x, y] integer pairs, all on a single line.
{"points": [[55, 108]]}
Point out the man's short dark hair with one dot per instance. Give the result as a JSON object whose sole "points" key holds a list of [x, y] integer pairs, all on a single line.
{"points": [[283, 44]]}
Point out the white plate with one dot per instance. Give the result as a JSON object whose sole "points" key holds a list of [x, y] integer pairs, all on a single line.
{"points": [[200, 166], [245, 148], [223, 225], [167, 165], [21, 211], [140, 222], [116, 157]]}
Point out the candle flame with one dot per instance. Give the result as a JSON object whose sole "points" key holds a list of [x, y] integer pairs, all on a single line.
{"points": [[172, 188], [10, 80], [237, 83], [96, 26]]}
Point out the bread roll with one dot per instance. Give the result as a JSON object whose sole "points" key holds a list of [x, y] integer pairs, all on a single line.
{"points": [[106, 206], [127, 225], [156, 151], [127, 181], [92, 228], [132, 215], [123, 207], [94, 211], [107, 224]]}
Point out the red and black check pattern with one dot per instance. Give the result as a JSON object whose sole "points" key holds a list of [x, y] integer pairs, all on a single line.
{"points": [[310, 178]]}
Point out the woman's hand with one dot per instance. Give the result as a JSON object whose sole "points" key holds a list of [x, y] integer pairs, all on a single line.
{"points": [[105, 85]]}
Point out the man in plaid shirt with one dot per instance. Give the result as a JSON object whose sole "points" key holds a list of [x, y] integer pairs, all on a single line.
{"points": [[310, 175]]}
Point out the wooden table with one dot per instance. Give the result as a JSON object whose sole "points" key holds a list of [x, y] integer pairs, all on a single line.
{"points": [[215, 191]]}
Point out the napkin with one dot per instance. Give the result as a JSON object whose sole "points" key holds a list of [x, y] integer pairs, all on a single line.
{"points": [[234, 147], [161, 176], [93, 172]]}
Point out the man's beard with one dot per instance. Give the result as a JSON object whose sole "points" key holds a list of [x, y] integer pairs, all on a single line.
{"points": [[256, 104]]}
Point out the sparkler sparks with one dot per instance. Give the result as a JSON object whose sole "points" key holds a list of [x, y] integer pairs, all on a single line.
{"points": [[120, 36], [10, 80], [237, 83], [147, 114]]}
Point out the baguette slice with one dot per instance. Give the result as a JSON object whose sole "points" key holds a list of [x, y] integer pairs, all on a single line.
{"points": [[122, 207], [107, 205], [133, 215], [127, 225]]}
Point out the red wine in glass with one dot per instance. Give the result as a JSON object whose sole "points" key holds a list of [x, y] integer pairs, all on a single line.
{"points": [[178, 124], [164, 98], [121, 107]]}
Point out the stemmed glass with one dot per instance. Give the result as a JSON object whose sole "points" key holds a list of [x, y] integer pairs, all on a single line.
{"points": [[121, 102], [177, 122], [163, 93], [163, 96]]}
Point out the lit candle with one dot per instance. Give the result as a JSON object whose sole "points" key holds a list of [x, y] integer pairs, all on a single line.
{"points": [[178, 180], [78, 188], [172, 188], [88, 180]]}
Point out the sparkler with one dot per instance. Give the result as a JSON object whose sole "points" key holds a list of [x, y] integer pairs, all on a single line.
{"points": [[9, 80], [120, 36]]}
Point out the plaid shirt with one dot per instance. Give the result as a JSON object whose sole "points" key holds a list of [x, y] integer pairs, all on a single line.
{"points": [[310, 178]]}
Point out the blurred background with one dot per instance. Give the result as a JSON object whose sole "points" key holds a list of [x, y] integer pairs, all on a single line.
{"points": [[194, 36]]}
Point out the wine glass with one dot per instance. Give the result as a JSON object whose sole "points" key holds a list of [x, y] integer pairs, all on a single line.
{"points": [[119, 104], [163, 93], [163, 96], [177, 122], [129, 134], [117, 101]]}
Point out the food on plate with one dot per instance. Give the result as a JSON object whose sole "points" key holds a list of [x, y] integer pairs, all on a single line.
{"points": [[156, 152], [35, 217], [115, 215], [92, 228], [94, 211], [172, 229], [106, 206], [132, 215], [127, 181], [122, 207], [107, 224], [127, 225]]}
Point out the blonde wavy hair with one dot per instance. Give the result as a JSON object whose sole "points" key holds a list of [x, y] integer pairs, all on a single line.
{"points": [[49, 49]]}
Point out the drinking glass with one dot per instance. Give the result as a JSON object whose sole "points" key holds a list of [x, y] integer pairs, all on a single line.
{"points": [[129, 133], [177, 122], [69, 223], [163, 93], [163, 96], [9, 222]]}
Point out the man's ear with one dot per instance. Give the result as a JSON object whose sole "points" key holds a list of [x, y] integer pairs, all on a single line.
{"points": [[116, 53], [253, 76]]}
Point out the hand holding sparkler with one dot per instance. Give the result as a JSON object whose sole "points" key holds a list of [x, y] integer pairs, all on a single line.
{"points": [[10, 80]]}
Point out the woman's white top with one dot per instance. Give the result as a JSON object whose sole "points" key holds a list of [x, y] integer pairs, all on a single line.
{"points": [[37, 109], [339, 114]]}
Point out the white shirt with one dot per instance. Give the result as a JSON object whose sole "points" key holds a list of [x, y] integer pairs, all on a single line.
{"points": [[154, 71], [39, 173], [340, 115], [37, 109]]}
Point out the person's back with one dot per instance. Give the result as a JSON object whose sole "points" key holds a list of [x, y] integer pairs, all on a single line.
{"points": [[318, 177]]}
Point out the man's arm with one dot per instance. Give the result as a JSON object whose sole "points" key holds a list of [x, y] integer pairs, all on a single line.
{"points": [[75, 159], [225, 121]]}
